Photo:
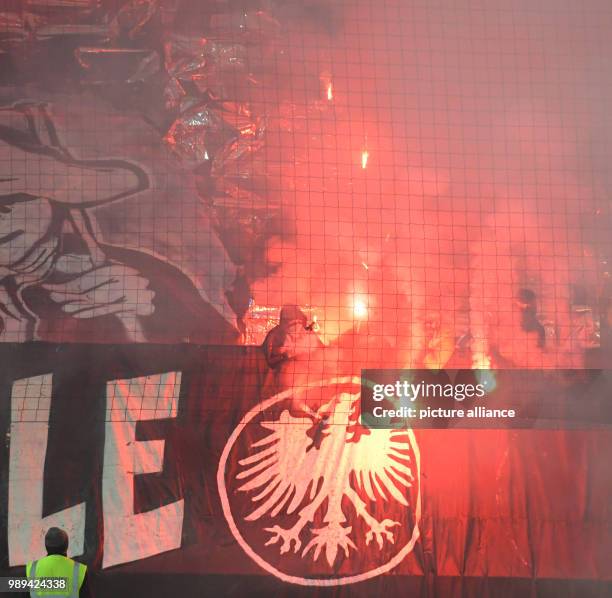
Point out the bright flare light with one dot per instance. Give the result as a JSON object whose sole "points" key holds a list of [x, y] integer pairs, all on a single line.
{"points": [[481, 362], [360, 309], [330, 93], [364, 158]]}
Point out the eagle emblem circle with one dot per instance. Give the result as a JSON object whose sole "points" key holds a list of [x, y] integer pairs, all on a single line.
{"points": [[313, 496]]}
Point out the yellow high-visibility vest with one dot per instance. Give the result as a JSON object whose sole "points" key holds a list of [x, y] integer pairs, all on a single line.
{"points": [[57, 566]]}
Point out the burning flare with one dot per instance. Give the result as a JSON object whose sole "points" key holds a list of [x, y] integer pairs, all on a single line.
{"points": [[364, 158], [360, 309]]}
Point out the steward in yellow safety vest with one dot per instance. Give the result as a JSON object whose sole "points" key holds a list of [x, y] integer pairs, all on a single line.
{"points": [[57, 565]]}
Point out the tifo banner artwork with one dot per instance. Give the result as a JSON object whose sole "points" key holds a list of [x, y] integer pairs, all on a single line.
{"points": [[183, 463], [61, 277]]}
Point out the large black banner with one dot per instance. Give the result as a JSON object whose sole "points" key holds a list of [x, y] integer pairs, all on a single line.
{"points": [[181, 468]]}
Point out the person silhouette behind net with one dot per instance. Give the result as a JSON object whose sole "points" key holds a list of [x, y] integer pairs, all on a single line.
{"points": [[57, 565], [288, 340]]}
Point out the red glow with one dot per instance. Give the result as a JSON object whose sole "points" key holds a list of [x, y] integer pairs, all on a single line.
{"points": [[424, 256]]}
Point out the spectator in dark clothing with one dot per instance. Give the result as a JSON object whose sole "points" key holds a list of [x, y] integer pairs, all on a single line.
{"points": [[292, 338], [529, 315]]}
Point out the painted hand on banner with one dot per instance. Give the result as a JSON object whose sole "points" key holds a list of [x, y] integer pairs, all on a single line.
{"points": [[109, 289]]}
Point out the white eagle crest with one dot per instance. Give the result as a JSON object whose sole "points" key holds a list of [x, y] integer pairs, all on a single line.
{"points": [[314, 458]]}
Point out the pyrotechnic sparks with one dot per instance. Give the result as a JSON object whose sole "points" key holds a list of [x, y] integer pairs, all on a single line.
{"points": [[425, 266], [364, 158]]}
